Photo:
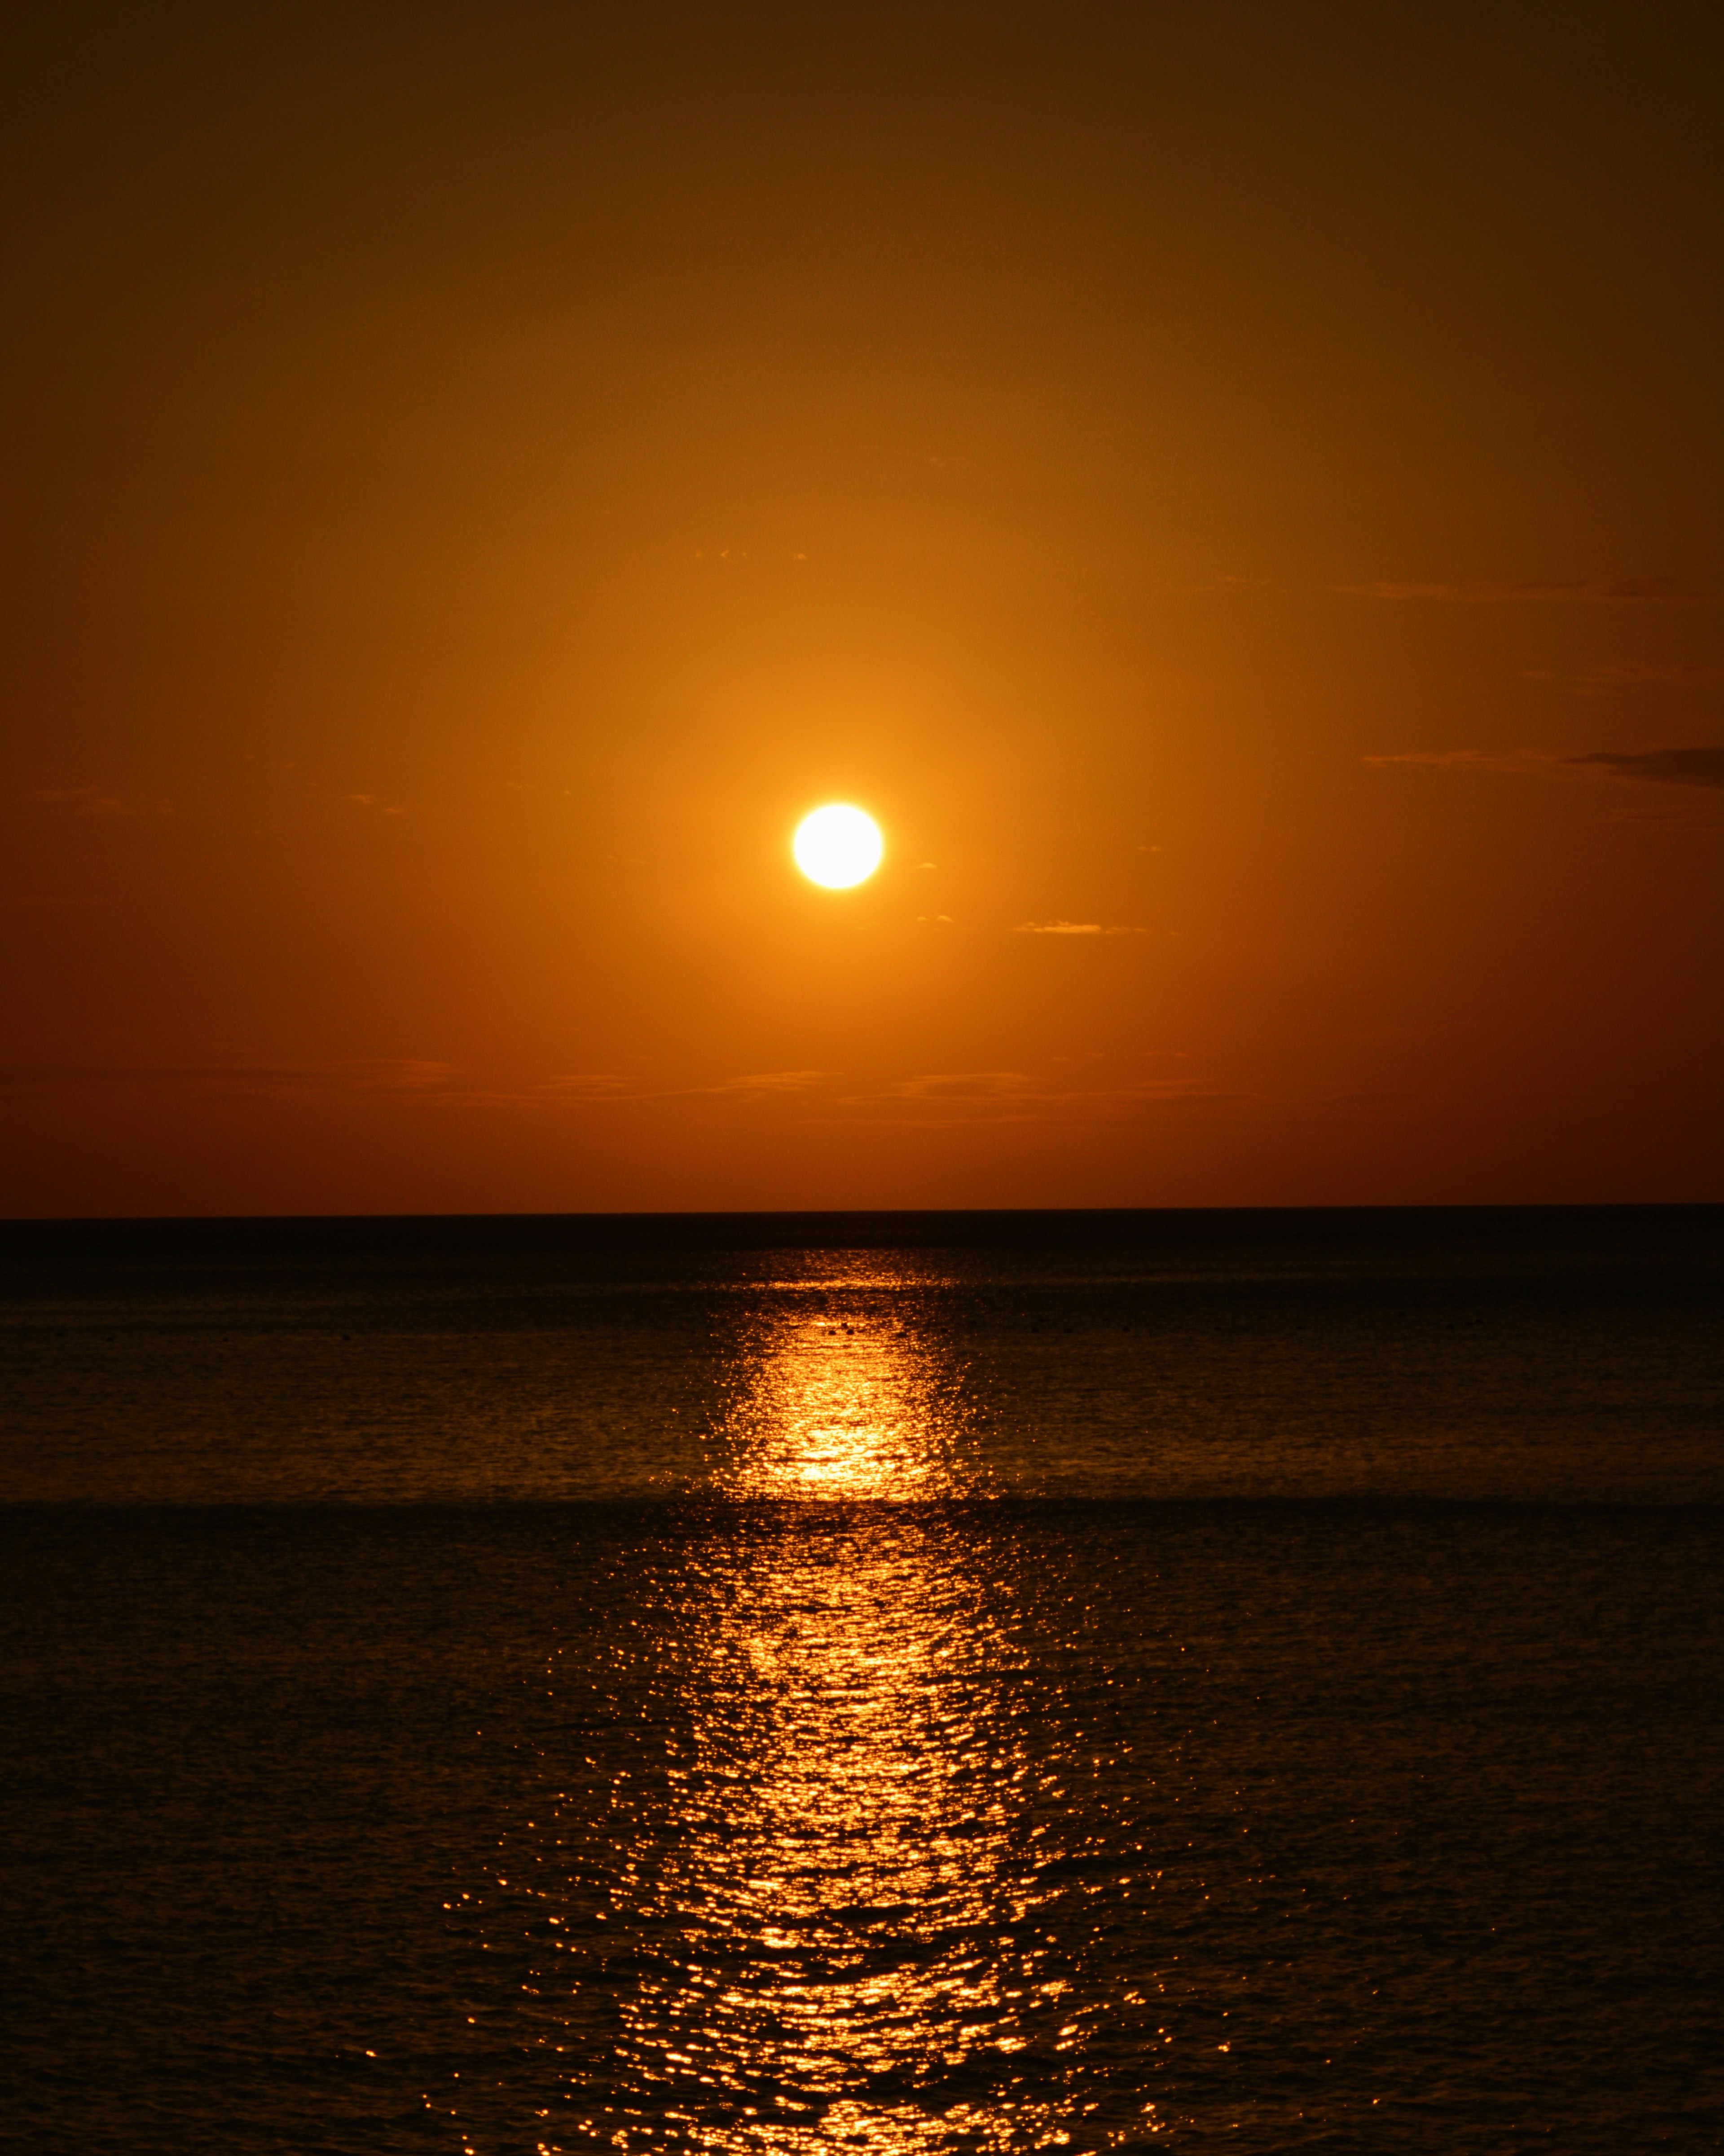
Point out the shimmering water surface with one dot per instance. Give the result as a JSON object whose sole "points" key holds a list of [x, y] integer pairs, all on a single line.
{"points": [[907, 1685]]}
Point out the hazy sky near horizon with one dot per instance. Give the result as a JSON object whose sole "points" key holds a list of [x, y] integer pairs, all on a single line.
{"points": [[1233, 490]]}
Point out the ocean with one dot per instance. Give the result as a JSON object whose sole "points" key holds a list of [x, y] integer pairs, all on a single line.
{"points": [[897, 1682]]}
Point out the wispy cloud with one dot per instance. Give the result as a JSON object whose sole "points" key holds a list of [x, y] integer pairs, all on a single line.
{"points": [[584, 1085], [1070, 928], [1528, 760], [601, 1088], [388, 1074], [1663, 767], [1583, 591], [1696, 819], [759, 1084], [373, 1077], [94, 801], [597, 1086], [939, 1099], [411, 1081], [1666, 766], [1603, 680], [1066, 1094], [962, 1086], [621, 1089]]}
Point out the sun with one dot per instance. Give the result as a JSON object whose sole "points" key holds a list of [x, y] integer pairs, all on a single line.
{"points": [[838, 846]]}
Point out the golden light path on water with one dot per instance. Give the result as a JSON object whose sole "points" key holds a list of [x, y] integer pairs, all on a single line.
{"points": [[862, 1866], [843, 1903], [849, 1408], [807, 1914]]}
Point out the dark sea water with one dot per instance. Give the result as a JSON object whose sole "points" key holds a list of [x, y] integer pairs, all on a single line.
{"points": [[896, 1683]]}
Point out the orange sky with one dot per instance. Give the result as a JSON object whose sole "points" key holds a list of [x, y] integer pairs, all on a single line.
{"points": [[1205, 477]]}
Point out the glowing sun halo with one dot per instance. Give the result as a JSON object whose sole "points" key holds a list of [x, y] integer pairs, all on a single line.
{"points": [[838, 846]]}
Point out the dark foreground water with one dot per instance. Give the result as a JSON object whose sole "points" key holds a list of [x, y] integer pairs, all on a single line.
{"points": [[918, 1684]]}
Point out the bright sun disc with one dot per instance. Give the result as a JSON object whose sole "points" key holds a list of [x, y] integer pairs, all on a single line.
{"points": [[838, 846]]}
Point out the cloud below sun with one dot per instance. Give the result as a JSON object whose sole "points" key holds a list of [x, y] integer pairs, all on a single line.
{"points": [[1072, 928]]}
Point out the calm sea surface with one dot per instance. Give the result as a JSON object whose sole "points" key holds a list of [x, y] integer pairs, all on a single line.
{"points": [[901, 1683]]}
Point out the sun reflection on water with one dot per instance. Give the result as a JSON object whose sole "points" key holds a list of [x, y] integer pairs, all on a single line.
{"points": [[853, 1404], [840, 1875], [809, 1910]]}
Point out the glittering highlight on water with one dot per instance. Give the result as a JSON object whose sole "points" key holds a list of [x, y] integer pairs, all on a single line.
{"points": [[1251, 1691]]}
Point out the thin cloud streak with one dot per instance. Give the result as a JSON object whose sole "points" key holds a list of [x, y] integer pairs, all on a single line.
{"points": [[1070, 928], [762, 1084], [947, 1098], [92, 801], [375, 1077], [962, 1086], [1603, 680], [1663, 767], [418, 1080], [1580, 591], [1534, 762]]}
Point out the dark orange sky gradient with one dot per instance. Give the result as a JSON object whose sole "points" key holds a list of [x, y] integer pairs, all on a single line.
{"points": [[1208, 476]]}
